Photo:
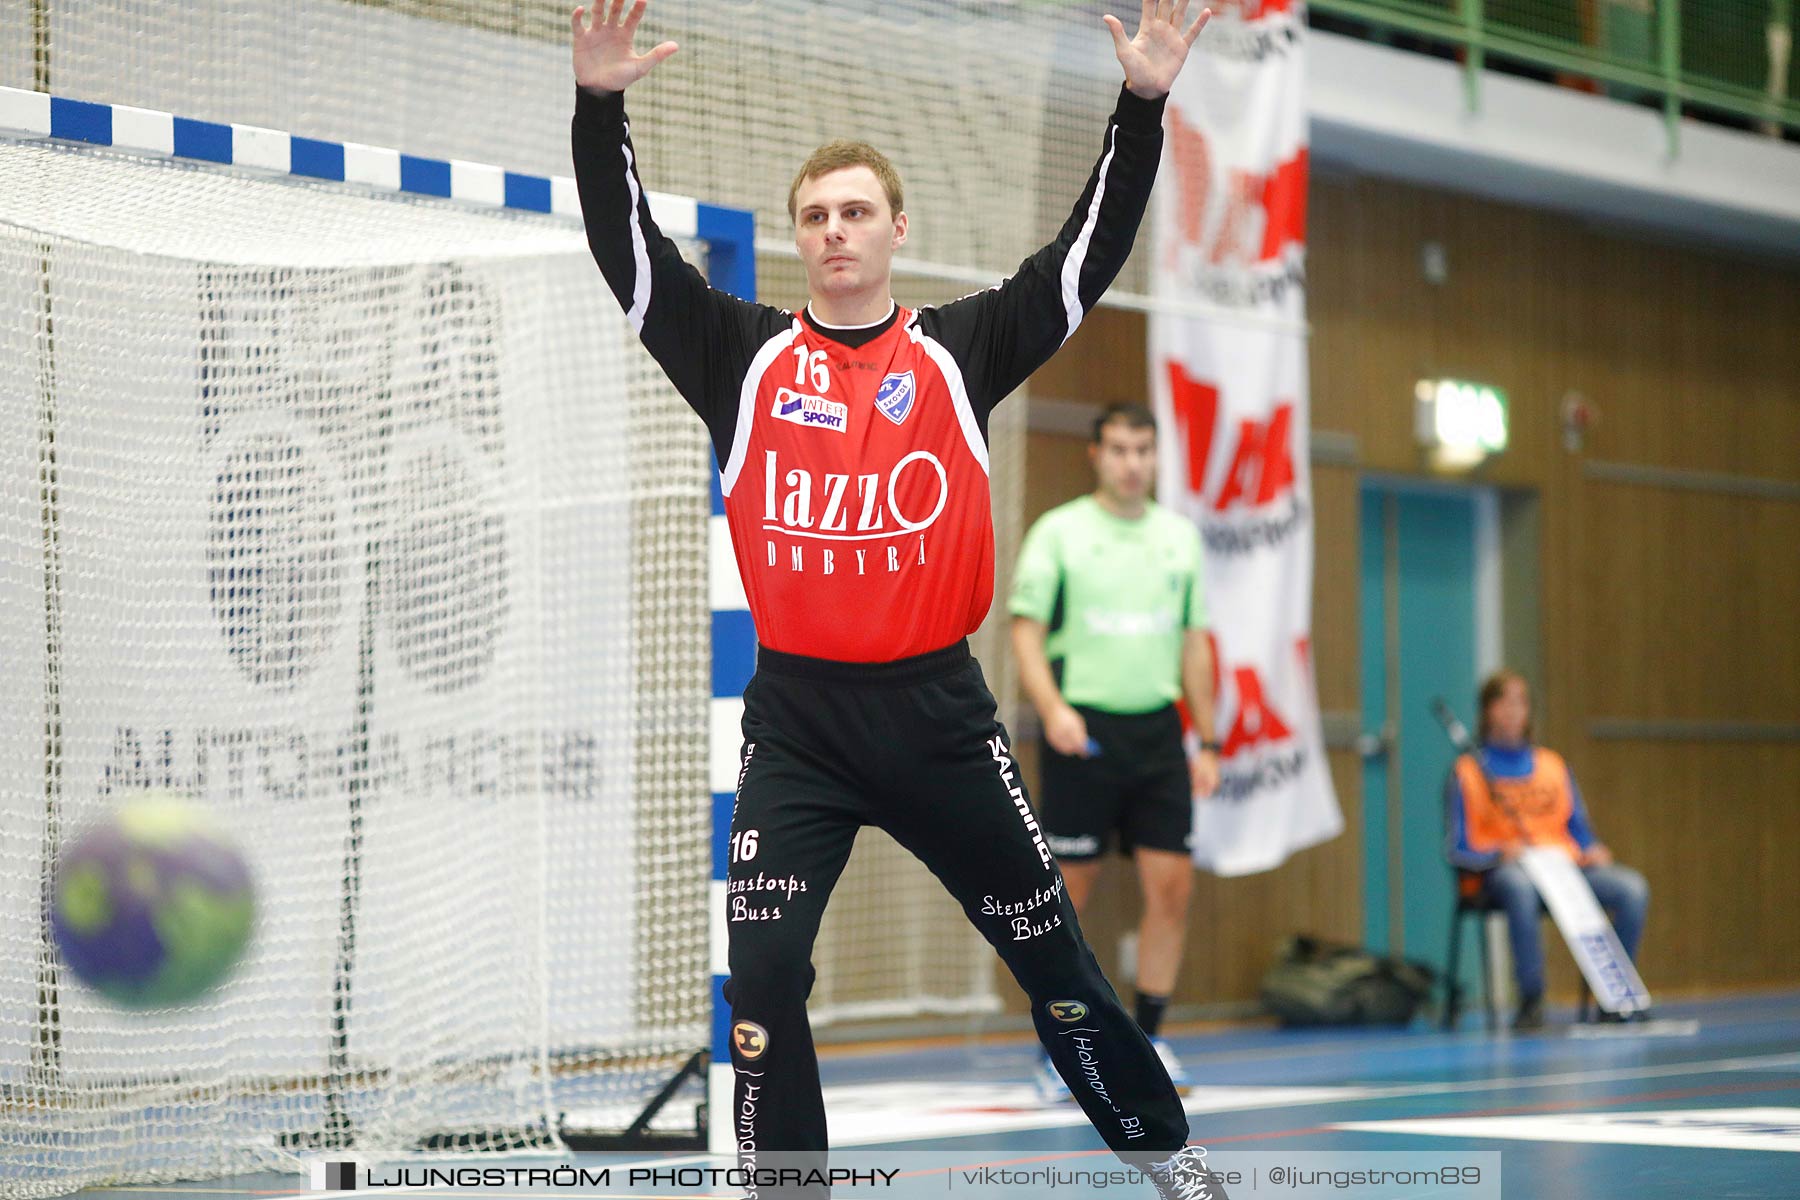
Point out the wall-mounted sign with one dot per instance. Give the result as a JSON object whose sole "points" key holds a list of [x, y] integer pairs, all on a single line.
{"points": [[1459, 423]]}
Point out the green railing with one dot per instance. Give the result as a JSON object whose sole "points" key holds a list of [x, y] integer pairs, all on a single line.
{"points": [[1726, 58]]}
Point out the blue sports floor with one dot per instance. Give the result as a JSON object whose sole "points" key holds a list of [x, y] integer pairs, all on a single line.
{"points": [[1714, 1115]]}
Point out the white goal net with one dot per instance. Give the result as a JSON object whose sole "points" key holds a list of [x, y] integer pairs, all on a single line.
{"points": [[365, 522]]}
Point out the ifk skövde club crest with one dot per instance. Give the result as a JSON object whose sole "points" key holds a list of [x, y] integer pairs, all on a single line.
{"points": [[894, 398]]}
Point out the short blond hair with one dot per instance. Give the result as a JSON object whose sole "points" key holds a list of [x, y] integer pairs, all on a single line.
{"points": [[841, 153]]}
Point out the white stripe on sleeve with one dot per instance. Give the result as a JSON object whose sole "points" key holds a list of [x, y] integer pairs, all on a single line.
{"points": [[640, 257], [1071, 271]]}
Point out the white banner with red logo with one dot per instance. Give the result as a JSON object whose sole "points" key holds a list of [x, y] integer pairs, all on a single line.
{"points": [[1228, 380]]}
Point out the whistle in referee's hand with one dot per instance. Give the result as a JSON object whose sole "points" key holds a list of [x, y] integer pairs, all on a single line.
{"points": [[1093, 748]]}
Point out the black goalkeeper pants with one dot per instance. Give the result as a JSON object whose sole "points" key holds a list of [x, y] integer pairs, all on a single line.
{"points": [[914, 748]]}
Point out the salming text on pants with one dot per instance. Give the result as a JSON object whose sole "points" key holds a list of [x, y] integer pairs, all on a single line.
{"points": [[914, 748]]}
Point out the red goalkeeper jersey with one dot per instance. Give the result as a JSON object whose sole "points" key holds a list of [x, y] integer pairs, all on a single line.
{"points": [[854, 461]]}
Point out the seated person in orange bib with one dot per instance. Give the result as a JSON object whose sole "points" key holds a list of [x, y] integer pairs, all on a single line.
{"points": [[1533, 802]]}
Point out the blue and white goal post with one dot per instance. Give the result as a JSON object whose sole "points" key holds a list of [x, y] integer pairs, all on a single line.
{"points": [[729, 238]]}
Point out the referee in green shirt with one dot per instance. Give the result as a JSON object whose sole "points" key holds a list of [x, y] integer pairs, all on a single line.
{"points": [[1109, 617]]}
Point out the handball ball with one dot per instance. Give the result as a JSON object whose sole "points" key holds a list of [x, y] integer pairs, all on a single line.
{"points": [[153, 906]]}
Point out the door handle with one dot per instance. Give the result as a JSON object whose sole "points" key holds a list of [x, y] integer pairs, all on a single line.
{"points": [[1377, 744]]}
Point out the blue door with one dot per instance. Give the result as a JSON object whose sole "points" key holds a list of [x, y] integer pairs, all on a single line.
{"points": [[1420, 617]]}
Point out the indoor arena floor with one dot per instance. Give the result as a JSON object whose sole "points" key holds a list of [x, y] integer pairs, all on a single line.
{"points": [[1713, 1114]]}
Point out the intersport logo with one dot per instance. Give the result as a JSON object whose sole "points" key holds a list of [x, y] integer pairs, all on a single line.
{"points": [[812, 412]]}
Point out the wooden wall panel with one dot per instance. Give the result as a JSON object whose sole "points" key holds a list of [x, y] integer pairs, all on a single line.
{"points": [[1712, 827], [1056, 471], [1703, 587], [1694, 362]]}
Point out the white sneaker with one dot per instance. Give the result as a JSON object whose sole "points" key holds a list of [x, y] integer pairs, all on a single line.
{"points": [[1050, 1086], [1184, 1177], [1177, 1073]]}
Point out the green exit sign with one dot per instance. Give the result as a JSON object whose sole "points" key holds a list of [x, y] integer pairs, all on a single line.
{"points": [[1460, 423]]}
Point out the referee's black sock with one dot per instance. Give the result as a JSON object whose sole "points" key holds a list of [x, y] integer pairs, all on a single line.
{"points": [[1150, 1012]]}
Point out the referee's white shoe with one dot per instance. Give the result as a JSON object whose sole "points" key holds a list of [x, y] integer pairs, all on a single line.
{"points": [[1177, 1073]]}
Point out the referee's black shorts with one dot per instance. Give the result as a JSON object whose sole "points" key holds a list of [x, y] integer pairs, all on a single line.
{"points": [[1137, 784]]}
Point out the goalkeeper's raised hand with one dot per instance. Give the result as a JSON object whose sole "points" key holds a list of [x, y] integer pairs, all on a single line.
{"points": [[604, 60], [1153, 57]]}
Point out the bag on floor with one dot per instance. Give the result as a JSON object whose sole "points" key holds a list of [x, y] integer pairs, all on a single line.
{"points": [[1315, 982]]}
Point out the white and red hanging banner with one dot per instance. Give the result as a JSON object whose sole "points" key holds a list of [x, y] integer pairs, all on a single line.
{"points": [[1229, 385]]}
